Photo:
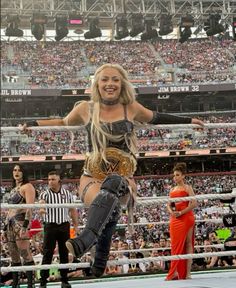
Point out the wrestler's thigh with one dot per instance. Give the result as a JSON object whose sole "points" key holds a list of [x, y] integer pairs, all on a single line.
{"points": [[14, 252], [92, 186]]}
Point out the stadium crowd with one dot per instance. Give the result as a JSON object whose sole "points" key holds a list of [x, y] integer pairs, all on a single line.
{"points": [[149, 139], [59, 65], [150, 237]]}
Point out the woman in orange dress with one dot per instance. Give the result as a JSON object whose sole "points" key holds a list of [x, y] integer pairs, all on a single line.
{"points": [[181, 225]]}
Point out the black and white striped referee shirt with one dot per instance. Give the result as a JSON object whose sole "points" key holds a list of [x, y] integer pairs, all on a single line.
{"points": [[56, 215]]}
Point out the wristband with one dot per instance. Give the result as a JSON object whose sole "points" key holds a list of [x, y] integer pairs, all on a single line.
{"points": [[163, 118], [32, 123], [25, 223]]}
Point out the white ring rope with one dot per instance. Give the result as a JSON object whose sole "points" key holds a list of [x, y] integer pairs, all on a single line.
{"points": [[118, 262], [152, 200], [82, 127], [140, 201], [215, 221], [217, 246]]}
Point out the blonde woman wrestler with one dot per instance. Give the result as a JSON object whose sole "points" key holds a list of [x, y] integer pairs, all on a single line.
{"points": [[107, 181]]}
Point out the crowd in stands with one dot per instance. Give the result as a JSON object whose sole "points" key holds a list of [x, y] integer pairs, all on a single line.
{"points": [[151, 239], [204, 60], [65, 65], [136, 57], [46, 66], [70, 64], [206, 77], [149, 139]]}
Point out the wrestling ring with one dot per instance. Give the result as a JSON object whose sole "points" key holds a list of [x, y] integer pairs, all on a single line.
{"points": [[200, 279]]}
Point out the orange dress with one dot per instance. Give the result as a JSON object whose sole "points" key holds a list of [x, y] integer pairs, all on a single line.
{"points": [[179, 227]]}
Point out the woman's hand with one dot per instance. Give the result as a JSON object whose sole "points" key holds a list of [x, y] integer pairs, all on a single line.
{"points": [[197, 122], [177, 214], [24, 129]]}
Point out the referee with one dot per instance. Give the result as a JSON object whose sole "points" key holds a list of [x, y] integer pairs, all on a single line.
{"points": [[56, 226]]}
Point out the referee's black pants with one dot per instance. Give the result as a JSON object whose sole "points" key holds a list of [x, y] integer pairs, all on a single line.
{"points": [[53, 233]]}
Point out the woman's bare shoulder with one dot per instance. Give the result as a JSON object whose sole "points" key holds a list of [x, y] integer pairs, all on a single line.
{"points": [[189, 188], [27, 187], [82, 104], [139, 112], [79, 114], [133, 105]]}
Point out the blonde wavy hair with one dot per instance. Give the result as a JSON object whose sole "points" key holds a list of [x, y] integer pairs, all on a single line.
{"points": [[99, 133]]}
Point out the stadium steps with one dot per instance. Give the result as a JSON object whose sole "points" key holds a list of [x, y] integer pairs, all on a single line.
{"points": [[157, 55], [164, 68], [88, 69], [10, 53]]}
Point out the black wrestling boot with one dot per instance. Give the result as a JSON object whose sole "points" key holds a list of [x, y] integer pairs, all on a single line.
{"points": [[100, 214], [65, 284], [30, 275], [43, 284], [16, 277], [103, 249]]}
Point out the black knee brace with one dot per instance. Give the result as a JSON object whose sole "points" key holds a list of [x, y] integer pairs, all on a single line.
{"points": [[104, 208], [116, 185]]}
